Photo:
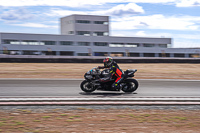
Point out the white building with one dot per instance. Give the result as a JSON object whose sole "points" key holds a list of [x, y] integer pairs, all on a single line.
{"points": [[88, 35]]}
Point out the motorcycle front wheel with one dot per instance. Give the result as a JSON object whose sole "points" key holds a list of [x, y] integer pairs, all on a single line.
{"points": [[131, 85], [87, 86]]}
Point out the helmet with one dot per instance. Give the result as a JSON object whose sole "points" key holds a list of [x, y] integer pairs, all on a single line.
{"points": [[108, 62]]}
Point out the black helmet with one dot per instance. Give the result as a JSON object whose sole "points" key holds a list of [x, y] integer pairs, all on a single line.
{"points": [[108, 62]]}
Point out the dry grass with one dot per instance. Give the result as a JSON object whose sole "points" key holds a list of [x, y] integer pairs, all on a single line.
{"points": [[77, 70], [93, 121]]}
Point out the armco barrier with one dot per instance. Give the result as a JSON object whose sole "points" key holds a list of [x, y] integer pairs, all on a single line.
{"points": [[90, 59]]}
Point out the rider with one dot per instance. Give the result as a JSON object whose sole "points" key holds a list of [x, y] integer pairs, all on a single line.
{"points": [[114, 72]]}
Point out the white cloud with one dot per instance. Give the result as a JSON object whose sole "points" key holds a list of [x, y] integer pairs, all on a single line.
{"points": [[188, 3], [158, 21], [140, 33], [122, 9], [119, 10], [17, 14], [186, 40], [187, 36], [69, 3], [186, 44], [80, 3], [36, 25], [60, 12], [74, 3]]}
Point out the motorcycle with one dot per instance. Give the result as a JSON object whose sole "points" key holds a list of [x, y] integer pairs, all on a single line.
{"points": [[91, 82]]}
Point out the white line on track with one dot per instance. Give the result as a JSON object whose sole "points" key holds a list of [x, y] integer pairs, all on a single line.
{"points": [[97, 103], [99, 99]]}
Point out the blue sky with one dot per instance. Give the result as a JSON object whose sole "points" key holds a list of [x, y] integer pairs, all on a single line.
{"points": [[178, 19]]}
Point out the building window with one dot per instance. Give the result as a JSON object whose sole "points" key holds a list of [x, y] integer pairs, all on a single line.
{"points": [[101, 22], [69, 22], [148, 45], [179, 55], [134, 54], [117, 54], [32, 52], [86, 33], [98, 34], [149, 54], [47, 43], [105, 33], [164, 54], [83, 54], [84, 43], [66, 43], [83, 21], [116, 45], [30, 42], [194, 55], [71, 32], [131, 45], [49, 52], [100, 54], [162, 45], [100, 44], [11, 42], [168, 45], [66, 53]]}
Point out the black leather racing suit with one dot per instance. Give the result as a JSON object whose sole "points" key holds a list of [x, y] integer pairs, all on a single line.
{"points": [[114, 73]]}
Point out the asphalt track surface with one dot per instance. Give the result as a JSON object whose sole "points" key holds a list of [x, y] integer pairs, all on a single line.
{"points": [[71, 88]]}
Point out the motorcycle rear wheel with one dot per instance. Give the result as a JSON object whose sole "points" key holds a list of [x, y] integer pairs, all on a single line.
{"points": [[87, 86], [131, 85]]}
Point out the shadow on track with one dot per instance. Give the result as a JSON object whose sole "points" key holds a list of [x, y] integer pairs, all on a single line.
{"points": [[106, 94]]}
